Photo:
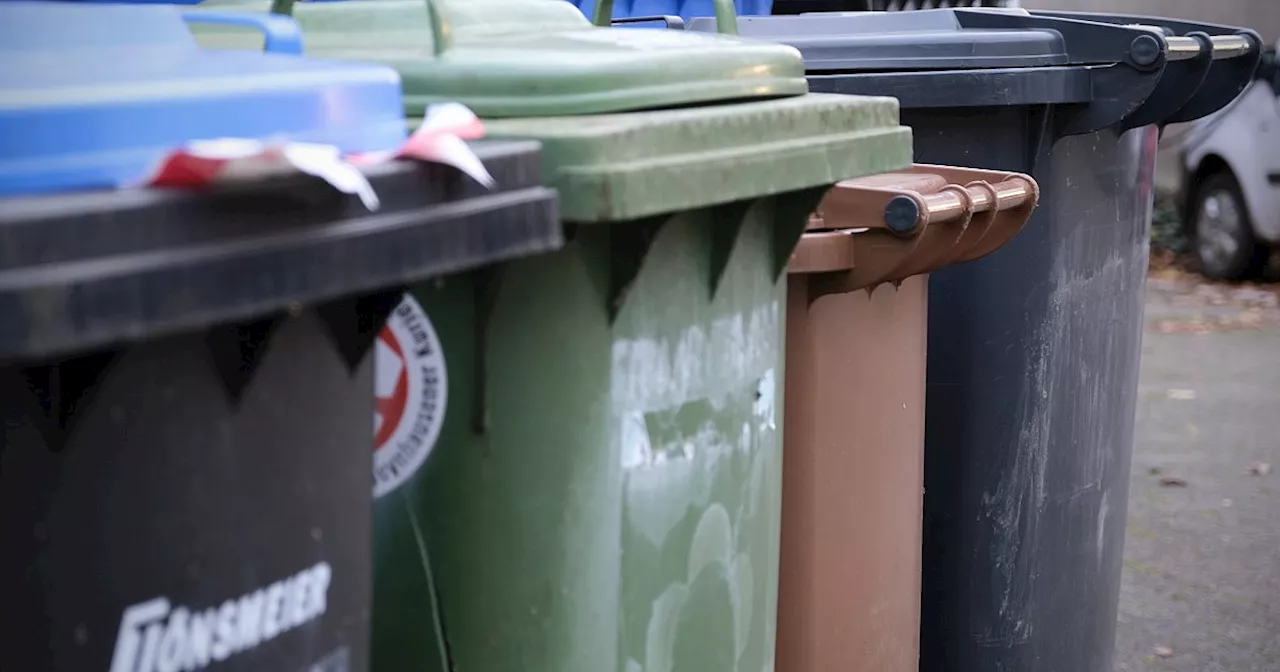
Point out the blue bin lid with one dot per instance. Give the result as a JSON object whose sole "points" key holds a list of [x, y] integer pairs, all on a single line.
{"points": [[92, 95], [685, 9]]}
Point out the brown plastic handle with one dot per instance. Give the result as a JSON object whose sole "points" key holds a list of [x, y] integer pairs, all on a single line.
{"points": [[885, 228], [1004, 200]]}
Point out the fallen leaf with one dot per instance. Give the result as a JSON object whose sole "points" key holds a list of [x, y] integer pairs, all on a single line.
{"points": [[1181, 395], [1162, 651], [1260, 469], [1183, 327], [1173, 482]]}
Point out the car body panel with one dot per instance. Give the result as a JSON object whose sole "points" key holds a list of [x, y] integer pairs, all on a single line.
{"points": [[1246, 137]]}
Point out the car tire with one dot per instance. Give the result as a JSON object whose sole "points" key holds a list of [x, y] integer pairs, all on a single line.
{"points": [[1222, 231]]}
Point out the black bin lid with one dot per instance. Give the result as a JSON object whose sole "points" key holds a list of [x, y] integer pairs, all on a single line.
{"points": [[1113, 70], [945, 39], [922, 40]]}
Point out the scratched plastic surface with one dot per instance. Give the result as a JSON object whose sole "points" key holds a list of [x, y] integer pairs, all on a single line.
{"points": [[1026, 490], [621, 512], [620, 509]]}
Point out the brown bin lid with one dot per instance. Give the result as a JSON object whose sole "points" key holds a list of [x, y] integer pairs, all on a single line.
{"points": [[887, 227]]}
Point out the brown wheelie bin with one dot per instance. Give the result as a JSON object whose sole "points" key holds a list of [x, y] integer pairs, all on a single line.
{"points": [[853, 465]]}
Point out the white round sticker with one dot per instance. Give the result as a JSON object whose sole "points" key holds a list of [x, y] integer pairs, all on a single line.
{"points": [[410, 388]]}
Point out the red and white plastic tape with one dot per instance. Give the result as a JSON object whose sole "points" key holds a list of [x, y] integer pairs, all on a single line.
{"points": [[441, 139]]}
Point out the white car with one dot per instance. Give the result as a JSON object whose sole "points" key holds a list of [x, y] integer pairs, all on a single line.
{"points": [[1231, 181]]}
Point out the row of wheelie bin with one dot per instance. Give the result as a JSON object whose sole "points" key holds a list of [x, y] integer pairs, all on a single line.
{"points": [[787, 343]]}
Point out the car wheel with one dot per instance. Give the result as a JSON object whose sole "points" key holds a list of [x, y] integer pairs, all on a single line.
{"points": [[1222, 232]]}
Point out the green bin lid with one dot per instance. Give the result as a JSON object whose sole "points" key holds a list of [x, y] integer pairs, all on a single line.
{"points": [[615, 167], [519, 58], [622, 114]]}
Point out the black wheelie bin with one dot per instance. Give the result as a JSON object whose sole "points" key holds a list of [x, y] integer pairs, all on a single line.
{"points": [[186, 376], [1033, 350]]}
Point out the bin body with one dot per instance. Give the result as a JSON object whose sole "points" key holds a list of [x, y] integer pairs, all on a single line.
{"points": [[119, 526], [601, 494], [853, 469], [852, 472], [1030, 408], [184, 472], [1033, 351], [604, 493]]}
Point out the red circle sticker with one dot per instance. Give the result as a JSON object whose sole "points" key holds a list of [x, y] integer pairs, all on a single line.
{"points": [[410, 393]]}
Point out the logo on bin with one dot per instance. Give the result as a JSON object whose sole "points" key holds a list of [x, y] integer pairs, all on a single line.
{"points": [[158, 636], [411, 388]]}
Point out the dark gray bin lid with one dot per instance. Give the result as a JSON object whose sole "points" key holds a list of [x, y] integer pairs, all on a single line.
{"points": [[946, 39], [805, 6], [922, 40], [95, 269], [1115, 70]]}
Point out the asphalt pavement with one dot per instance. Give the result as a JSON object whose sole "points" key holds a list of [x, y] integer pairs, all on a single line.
{"points": [[1201, 586]]}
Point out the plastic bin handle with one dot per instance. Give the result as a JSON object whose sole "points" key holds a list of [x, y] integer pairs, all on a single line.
{"points": [[1202, 84], [441, 32], [1181, 48], [281, 33], [669, 22], [948, 205], [888, 227], [906, 211], [726, 16], [1230, 46], [1224, 46]]}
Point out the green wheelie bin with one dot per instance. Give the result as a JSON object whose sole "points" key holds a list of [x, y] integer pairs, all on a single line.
{"points": [[578, 455]]}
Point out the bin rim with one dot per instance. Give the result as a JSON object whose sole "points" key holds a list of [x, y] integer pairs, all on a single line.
{"points": [[1136, 70], [98, 269]]}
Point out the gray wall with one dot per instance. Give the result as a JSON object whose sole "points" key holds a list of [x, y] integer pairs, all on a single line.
{"points": [[1260, 15]]}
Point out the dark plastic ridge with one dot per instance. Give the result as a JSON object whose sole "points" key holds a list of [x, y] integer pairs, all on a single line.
{"points": [[94, 269], [669, 22], [1178, 85], [1088, 42], [1109, 72], [1226, 79]]}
